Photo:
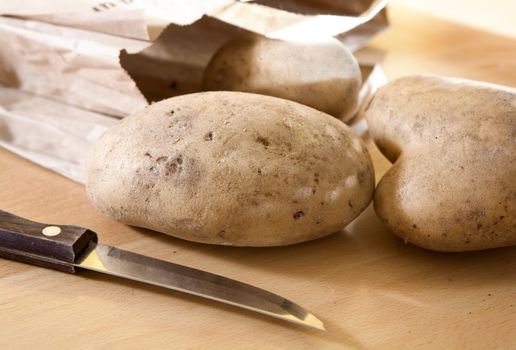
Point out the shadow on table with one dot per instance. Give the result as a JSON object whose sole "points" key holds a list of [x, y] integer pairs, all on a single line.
{"points": [[364, 243]]}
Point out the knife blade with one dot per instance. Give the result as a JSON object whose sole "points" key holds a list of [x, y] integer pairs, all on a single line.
{"points": [[68, 248]]}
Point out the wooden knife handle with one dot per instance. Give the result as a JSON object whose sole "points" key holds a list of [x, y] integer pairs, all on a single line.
{"points": [[53, 246]]}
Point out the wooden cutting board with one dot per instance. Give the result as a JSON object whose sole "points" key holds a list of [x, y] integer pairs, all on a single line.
{"points": [[371, 290]]}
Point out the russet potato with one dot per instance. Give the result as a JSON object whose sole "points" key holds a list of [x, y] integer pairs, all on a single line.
{"points": [[231, 168], [323, 75], [453, 144]]}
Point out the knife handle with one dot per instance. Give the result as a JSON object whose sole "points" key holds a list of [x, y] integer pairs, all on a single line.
{"points": [[53, 246]]}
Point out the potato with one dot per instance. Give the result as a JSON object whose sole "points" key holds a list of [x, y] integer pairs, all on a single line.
{"points": [[322, 75], [453, 143], [231, 168]]}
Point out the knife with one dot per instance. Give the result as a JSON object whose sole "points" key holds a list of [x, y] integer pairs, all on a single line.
{"points": [[67, 248]]}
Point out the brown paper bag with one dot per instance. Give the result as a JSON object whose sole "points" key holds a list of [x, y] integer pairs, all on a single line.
{"points": [[81, 79]]}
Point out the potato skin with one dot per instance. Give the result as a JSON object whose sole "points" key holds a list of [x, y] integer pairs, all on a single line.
{"points": [[453, 143], [324, 75], [231, 168]]}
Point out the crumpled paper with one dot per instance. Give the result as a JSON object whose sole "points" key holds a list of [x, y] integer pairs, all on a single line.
{"points": [[76, 67], [146, 19], [49, 133], [69, 69], [137, 19]]}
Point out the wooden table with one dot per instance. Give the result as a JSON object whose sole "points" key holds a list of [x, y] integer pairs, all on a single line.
{"points": [[372, 290]]}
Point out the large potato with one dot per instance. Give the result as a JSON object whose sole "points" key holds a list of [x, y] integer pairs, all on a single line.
{"points": [[231, 168], [322, 75], [453, 143]]}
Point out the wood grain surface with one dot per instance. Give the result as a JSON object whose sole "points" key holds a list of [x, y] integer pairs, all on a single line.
{"points": [[371, 290]]}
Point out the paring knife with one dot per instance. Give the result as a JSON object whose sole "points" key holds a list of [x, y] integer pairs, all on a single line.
{"points": [[66, 247]]}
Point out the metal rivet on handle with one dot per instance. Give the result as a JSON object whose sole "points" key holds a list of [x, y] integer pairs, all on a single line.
{"points": [[51, 231]]}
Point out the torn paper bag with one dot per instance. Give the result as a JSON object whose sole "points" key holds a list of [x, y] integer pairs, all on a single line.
{"points": [[82, 67], [70, 68]]}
